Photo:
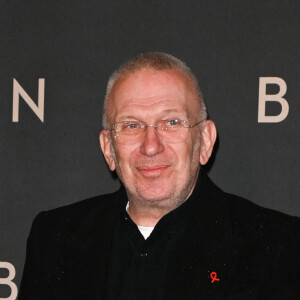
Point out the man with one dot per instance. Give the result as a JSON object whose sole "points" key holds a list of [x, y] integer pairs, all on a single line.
{"points": [[169, 232]]}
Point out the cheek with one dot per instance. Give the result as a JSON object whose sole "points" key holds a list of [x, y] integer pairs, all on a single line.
{"points": [[124, 155], [182, 154], [190, 155]]}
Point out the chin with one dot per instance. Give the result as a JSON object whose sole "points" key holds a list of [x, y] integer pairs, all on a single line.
{"points": [[154, 193]]}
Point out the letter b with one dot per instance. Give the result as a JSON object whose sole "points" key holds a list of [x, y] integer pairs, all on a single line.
{"points": [[264, 97], [8, 280]]}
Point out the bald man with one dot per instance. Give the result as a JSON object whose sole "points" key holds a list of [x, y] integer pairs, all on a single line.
{"points": [[168, 232]]}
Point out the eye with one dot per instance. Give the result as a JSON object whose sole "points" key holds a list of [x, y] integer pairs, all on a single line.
{"points": [[131, 125], [172, 122]]}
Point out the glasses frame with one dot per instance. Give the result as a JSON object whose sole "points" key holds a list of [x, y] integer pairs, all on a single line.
{"points": [[144, 126]]}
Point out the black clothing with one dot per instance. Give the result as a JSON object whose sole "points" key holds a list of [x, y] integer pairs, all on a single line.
{"points": [[254, 251], [139, 268]]}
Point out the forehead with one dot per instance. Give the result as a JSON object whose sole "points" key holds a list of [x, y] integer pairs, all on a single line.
{"points": [[148, 91]]}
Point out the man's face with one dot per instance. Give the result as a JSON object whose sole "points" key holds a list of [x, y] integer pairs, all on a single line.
{"points": [[153, 171]]}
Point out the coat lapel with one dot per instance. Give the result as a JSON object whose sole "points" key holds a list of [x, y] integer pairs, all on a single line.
{"points": [[209, 251], [87, 254]]}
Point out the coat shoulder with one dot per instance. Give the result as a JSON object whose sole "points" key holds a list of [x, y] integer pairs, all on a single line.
{"points": [[247, 216], [79, 208], [269, 246], [65, 219]]}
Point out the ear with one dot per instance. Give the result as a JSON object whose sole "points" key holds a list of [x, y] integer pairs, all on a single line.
{"points": [[208, 138], [106, 149]]}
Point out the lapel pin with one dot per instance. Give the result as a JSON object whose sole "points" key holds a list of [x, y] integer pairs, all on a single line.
{"points": [[213, 276]]}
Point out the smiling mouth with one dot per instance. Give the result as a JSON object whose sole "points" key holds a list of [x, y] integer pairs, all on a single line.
{"points": [[152, 171]]}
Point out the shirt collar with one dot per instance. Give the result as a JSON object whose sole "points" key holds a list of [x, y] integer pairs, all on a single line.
{"points": [[176, 219]]}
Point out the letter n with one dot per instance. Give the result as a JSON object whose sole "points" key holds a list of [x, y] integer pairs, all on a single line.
{"points": [[264, 97], [19, 91]]}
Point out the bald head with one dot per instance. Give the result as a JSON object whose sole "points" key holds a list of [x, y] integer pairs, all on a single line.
{"points": [[157, 61]]}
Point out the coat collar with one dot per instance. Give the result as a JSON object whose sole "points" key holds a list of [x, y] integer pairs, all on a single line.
{"points": [[209, 249]]}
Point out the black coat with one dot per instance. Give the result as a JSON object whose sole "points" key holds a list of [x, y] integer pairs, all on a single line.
{"points": [[254, 251]]}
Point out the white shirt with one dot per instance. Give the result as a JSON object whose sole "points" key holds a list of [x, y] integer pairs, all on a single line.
{"points": [[144, 230]]}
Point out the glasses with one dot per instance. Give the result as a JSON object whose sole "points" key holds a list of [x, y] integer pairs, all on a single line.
{"points": [[132, 132]]}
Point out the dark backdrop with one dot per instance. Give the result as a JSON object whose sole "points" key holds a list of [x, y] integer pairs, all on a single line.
{"points": [[75, 45]]}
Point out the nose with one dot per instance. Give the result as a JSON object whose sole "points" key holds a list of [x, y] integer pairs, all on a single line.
{"points": [[151, 144]]}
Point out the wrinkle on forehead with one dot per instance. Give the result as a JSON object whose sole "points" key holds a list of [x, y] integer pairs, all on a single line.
{"points": [[149, 82], [151, 107], [165, 99], [152, 90]]}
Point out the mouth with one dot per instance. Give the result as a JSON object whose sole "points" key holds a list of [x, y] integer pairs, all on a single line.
{"points": [[152, 171]]}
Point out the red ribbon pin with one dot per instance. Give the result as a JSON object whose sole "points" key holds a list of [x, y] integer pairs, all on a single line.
{"points": [[213, 276]]}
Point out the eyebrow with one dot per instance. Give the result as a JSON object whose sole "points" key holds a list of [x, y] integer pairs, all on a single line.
{"points": [[170, 110], [126, 117], [166, 111]]}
